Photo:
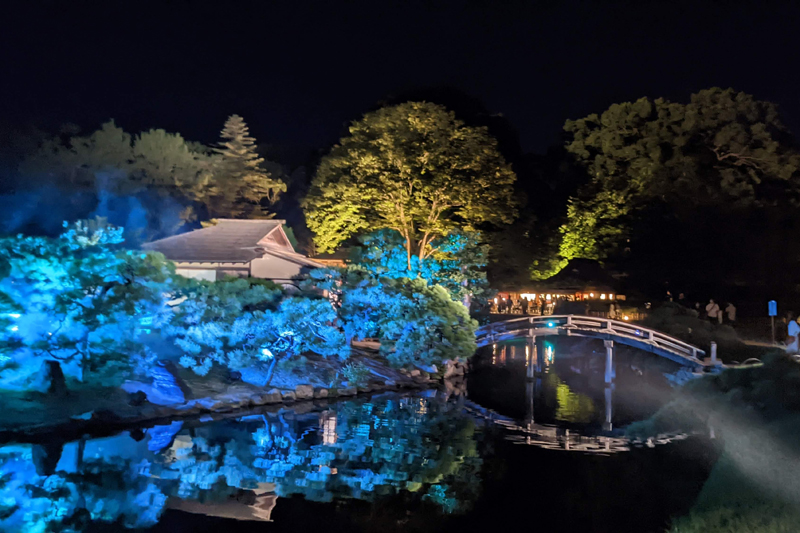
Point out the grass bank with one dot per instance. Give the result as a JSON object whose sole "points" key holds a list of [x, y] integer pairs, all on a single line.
{"points": [[754, 413]]}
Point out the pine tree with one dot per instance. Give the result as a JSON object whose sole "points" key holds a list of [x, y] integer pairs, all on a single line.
{"points": [[241, 182]]}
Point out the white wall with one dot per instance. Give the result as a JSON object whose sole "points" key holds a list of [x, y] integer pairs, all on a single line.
{"points": [[274, 268], [198, 273]]}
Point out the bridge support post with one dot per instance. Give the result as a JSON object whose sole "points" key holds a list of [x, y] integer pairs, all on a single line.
{"points": [[533, 357], [607, 426], [713, 353], [609, 361]]}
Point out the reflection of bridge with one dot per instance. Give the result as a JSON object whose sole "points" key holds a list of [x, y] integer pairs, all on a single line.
{"points": [[555, 438], [608, 330]]}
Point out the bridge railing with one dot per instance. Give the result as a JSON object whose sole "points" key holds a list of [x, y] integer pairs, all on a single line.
{"points": [[653, 337]]}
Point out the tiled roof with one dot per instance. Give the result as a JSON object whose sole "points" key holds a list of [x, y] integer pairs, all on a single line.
{"points": [[229, 241]]}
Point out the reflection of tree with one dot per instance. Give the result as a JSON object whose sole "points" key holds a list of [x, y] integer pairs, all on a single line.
{"points": [[98, 490], [570, 406], [417, 447], [380, 448]]}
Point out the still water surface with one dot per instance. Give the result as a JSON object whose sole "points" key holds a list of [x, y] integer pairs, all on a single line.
{"points": [[546, 453]]}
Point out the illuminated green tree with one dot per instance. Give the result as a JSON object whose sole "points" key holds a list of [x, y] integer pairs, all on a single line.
{"points": [[412, 168], [241, 183], [662, 170]]}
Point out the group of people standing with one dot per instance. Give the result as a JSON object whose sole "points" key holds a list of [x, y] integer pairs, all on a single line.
{"points": [[714, 313]]}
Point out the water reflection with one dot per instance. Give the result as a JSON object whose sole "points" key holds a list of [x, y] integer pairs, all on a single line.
{"points": [[239, 468], [560, 382]]}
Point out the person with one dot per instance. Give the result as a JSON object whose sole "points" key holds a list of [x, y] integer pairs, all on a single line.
{"points": [[793, 336], [612, 311], [730, 310], [712, 310]]}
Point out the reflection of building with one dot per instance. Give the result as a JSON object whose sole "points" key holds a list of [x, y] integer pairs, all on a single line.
{"points": [[327, 424], [256, 504], [582, 280], [241, 248]]}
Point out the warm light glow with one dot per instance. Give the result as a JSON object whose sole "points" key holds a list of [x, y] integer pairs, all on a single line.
{"points": [[626, 317], [585, 296], [591, 295], [549, 296], [610, 296], [495, 300], [528, 296], [602, 296]]}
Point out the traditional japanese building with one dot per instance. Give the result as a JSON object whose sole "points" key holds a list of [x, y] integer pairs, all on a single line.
{"points": [[580, 280], [243, 248]]}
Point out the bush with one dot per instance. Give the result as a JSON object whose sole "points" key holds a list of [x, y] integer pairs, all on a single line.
{"points": [[238, 324], [417, 324], [78, 300]]}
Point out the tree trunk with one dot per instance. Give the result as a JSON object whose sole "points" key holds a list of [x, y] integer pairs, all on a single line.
{"points": [[58, 384]]}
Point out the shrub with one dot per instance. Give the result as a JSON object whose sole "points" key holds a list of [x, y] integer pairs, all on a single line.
{"points": [[417, 324], [80, 301]]}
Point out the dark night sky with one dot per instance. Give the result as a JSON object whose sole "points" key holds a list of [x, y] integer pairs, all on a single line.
{"points": [[299, 72]]}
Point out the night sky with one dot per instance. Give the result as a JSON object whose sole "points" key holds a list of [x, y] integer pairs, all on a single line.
{"points": [[299, 72]]}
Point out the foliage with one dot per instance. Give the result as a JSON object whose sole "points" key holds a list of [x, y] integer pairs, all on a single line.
{"points": [[458, 264], [237, 324], [151, 159], [77, 300], [660, 170], [241, 182], [355, 373], [418, 324], [413, 168]]}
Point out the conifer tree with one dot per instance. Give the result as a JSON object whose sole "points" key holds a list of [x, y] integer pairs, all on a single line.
{"points": [[241, 182]]}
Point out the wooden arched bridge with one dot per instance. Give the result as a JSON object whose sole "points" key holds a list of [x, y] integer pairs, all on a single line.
{"points": [[608, 330]]}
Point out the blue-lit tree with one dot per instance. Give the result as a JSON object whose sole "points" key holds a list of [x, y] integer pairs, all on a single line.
{"points": [[417, 323], [236, 324], [74, 303], [457, 262]]}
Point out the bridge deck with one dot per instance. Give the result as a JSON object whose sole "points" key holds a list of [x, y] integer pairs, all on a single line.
{"points": [[599, 328]]}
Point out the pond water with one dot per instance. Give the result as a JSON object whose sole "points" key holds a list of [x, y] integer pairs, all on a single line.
{"points": [[496, 451]]}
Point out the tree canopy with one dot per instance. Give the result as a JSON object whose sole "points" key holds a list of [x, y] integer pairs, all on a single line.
{"points": [[659, 171], [413, 168], [241, 181]]}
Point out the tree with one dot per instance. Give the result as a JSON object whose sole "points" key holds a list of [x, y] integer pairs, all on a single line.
{"points": [[238, 323], [242, 184], [670, 181], [153, 159], [417, 323], [458, 264], [413, 168], [77, 301]]}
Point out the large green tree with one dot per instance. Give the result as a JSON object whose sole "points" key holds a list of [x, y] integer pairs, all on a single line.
{"points": [[153, 159], [413, 168], [242, 184], [671, 180]]}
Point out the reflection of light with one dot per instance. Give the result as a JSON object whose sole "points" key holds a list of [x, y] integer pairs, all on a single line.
{"points": [[266, 353], [551, 324], [14, 328], [549, 353], [13, 315]]}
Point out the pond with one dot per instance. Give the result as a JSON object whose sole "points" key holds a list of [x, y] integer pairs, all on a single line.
{"points": [[497, 451]]}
